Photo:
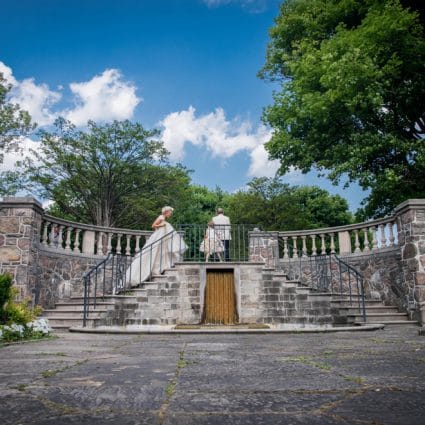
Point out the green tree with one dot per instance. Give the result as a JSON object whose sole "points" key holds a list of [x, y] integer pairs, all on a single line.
{"points": [[274, 205], [14, 122], [352, 96], [110, 175], [201, 205]]}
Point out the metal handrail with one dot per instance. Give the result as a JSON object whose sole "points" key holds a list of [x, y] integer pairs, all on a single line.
{"points": [[119, 262], [319, 275]]}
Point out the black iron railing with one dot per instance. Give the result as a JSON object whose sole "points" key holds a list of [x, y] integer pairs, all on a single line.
{"points": [[327, 273], [216, 243]]}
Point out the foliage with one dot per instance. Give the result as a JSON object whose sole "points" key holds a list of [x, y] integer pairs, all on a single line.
{"points": [[13, 312], [274, 205], [14, 122], [110, 175], [6, 282], [201, 205], [352, 97]]}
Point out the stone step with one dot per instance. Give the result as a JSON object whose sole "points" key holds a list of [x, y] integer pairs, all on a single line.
{"points": [[380, 317], [355, 302], [77, 306], [389, 322], [71, 314], [370, 309], [63, 322]]}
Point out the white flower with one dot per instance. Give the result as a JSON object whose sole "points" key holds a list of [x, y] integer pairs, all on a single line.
{"points": [[40, 325]]}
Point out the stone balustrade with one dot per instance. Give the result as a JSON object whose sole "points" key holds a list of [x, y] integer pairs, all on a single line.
{"points": [[72, 237], [360, 238], [357, 238]]}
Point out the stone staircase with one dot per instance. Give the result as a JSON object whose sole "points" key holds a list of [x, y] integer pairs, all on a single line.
{"points": [[280, 301], [376, 312], [139, 306]]}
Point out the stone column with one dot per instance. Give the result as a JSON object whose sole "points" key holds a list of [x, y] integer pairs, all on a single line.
{"points": [[264, 247], [411, 236], [20, 224]]}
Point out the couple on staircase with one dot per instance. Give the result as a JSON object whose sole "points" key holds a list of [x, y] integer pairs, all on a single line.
{"points": [[166, 246]]}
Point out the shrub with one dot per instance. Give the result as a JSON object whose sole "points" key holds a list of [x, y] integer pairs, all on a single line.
{"points": [[6, 281], [18, 319]]}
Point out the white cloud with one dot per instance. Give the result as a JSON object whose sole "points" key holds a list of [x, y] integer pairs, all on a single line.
{"points": [[103, 98], [261, 165], [37, 99], [10, 158], [223, 138]]}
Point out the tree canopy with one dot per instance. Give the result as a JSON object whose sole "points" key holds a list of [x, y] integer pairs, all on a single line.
{"points": [[273, 205], [14, 122], [109, 175], [352, 95]]}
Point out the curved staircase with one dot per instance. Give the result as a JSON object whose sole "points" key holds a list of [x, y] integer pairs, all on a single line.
{"points": [[280, 301]]}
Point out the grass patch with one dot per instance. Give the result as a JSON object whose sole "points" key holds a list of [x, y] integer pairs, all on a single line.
{"points": [[187, 327], [21, 387], [356, 379], [49, 373], [35, 338], [308, 361]]}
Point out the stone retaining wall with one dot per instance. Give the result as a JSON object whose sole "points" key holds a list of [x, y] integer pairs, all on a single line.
{"points": [[59, 276]]}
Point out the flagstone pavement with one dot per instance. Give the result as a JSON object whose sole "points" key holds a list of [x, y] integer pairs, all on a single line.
{"points": [[342, 378]]}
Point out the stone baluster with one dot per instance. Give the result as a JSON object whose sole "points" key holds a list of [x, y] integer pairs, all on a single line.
{"points": [[77, 240], [304, 251], [356, 241], [88, 243], [295, 247], [323, 244], [374, 238], [332, 243], [109, 243], [366, 240], [313, 245], [68, 239], [45, 237], [137, 244], [52, 239], [391, 237], [383, 236], [60, 236], [127, 245], [119, 248], [99, 246]]}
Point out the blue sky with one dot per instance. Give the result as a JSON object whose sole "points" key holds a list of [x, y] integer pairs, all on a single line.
{"points": [[185, 66]]}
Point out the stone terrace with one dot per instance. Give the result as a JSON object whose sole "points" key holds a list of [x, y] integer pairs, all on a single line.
{"points": [[345, 378]]}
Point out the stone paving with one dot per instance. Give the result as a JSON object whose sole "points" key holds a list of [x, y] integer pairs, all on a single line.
{"points": [[345, 378]]}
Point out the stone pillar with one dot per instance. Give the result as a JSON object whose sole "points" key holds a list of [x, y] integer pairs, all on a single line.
{"points": [[411, 236], [20, 224], [264, 247], [344, 241]]}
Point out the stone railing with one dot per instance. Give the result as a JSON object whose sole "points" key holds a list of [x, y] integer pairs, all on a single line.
{"points": [[350, 239], [72, 237]]}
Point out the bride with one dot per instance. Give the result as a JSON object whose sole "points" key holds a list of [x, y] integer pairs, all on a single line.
{"points": [[162, 250]]}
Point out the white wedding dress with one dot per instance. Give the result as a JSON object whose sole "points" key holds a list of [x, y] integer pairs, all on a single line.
{"points": [[162, 250]]}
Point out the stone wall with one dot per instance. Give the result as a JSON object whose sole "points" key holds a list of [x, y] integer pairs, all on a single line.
{"points": [[20, 223], [383, 276], [411, 225], [41, 273], [59, 276]]}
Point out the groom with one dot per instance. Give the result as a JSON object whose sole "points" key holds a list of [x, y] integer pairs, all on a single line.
{"points": [[222, 225]]}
